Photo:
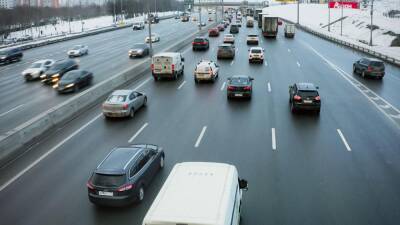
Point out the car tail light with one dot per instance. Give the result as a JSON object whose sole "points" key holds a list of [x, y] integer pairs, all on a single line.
{"points": [[193, 43], [231, 88], [152, 67], [247, 88], [125, 106], [297, 98], [203, 43], [317, 98], [90, 185], [125, 187], [173, 67], [369, 68]]}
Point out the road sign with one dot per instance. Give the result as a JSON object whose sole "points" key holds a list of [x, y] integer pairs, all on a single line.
{"points": [[340, 4]]}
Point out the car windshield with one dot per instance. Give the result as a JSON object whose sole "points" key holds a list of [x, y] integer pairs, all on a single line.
{"points": [[256, 51], [117, 98], [225, 47], [36, 65], [376, 63], [252, 35], [136, 23], [77, 47], [3, 52], [106, 180], [58, 66], [198, 40], [304, 93], [240, 81], [71, 75], [228, 35]]}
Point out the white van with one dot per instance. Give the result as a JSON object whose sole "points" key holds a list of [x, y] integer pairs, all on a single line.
{"points": [[167, 64], [289, 30], [198, 193]]}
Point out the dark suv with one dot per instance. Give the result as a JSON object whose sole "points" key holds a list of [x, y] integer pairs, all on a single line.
{"points": [[234, 29], [9, 55], [55, 72], [304, 96], [200, 43], [123, 175], [369, 67]]}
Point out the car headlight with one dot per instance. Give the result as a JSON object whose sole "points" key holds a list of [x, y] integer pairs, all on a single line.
{"points": [[43, 76], [55, 75], [54, 80], [55, 86], [69, 85]]}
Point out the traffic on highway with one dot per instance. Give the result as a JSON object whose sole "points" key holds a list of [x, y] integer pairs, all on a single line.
{"points": [[236, 119]]}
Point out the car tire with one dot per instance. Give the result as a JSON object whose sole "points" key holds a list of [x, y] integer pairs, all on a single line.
{"points": [[145, 102], [318, 111], [354, 69], [292, 108], [140, 195], [196, 80], [156, 78], [162, 162], [132, 113]]}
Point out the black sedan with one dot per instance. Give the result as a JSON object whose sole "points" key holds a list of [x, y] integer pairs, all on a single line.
{"points": [[73, 80], [369, 67], [304, 96], [57, 70], [239, 86], [139, 50], [10, 55], [121, 178]]}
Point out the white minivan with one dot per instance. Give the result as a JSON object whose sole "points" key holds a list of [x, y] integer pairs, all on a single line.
{"points": [[167, 64], [198, 193]]}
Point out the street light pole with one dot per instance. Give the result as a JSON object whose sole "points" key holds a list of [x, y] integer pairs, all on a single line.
{"points": [[329, 18], [114, 19], [341, 19], [298, 11], [372, 15], [150, 40], [199, 16]]}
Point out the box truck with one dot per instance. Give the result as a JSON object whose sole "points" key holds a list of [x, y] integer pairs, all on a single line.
{"points": [[269, 26]]}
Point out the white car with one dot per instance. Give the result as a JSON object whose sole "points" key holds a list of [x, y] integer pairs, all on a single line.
{"points": [[78, 50], [138, 26], [37, 68], [229, 38], [154, 38], [206, 70], [252, 39], [256, 54]]}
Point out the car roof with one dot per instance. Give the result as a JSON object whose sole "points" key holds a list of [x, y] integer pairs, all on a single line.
{"points": [[170, 54], [43, 61], [306, 87], [373, 59], [225, 45], [256, 48], [118, 159], [204, 62], [240, 77], [122, 92], [230, 35], [200, 37]]}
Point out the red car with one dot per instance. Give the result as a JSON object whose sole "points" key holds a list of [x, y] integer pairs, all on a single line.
{"points": [[221, 27], [213, 32]]}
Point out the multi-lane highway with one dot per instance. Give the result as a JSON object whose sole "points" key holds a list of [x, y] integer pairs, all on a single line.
{"points": [[108, 55], [340, 167]]}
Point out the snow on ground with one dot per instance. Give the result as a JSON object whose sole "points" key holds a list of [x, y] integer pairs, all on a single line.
{"points": [[62, 28], [355, 28]]}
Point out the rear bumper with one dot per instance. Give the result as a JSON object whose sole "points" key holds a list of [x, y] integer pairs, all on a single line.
{"points": [[289, 35], [197, 77], [225, 56], [256, 60], [162, 75], [302, 106], [121, 113], [375, 74], [199, 46], [114, 201], [239, 94]]}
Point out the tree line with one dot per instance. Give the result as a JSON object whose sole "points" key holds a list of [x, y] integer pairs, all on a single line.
{"points": [[23, 17]]}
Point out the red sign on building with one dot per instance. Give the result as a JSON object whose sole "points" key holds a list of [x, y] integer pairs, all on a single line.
{"points": [[344, 4]]}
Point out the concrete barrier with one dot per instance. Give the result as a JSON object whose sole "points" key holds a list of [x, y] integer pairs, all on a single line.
{"points": [[18, 140]]}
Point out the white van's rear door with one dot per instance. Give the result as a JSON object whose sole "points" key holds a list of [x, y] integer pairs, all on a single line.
{"points": [[163, 64]]}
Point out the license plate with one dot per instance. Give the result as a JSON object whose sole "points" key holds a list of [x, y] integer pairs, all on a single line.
{"points": [[308, 101], [105, 193], [238, 95]]}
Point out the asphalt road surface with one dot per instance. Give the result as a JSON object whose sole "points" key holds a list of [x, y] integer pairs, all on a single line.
{"points": [[108, 54], [337, 168]]}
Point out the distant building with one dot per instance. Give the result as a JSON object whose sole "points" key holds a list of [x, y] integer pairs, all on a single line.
{"points": [[49, 3], [8, 4]]}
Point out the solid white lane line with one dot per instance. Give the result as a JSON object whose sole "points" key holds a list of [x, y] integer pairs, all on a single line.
{"points": [[48, 153], [138, 132], [200, 137], [298, 64], [223, 86], [273, 139], [344, 140], [143, 83], [183, 83], [269, 87], [232, 62], [13, 109]]}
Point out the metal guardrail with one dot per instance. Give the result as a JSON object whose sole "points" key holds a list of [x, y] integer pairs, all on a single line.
{"points": [[360, 48], [40, 43]]}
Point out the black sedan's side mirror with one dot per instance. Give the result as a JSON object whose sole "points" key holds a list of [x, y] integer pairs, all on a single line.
{"points": [[251, 78], [243, 184], [317, 87], [183, 59], [229, 79]]}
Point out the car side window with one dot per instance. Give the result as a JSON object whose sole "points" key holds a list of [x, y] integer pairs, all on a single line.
{"points": [[133, 170], [143, 162], [132, 96]]}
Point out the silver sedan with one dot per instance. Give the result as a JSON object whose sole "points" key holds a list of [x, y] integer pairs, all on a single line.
{"points": [[123, 103]]}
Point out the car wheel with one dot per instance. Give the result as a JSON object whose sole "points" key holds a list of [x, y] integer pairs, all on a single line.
{"points": [[354, 69], [196, 80], [292, 108], [162, 162], [145, 101], [156, 78], [140, 194], [183, 70], [132, 113], [318, 111]]}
